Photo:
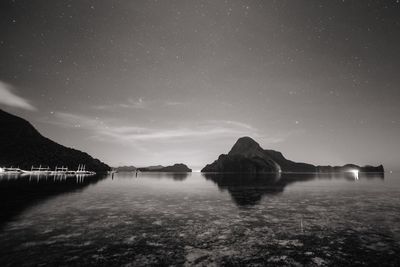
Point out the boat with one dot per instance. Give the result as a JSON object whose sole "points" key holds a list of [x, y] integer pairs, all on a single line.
{"points": [[40, 170], [60, 170], [46, 171], [82, 170], [11, 170]]}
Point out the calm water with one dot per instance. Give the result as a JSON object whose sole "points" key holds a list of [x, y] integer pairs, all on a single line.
{"points": [[179, 219]]}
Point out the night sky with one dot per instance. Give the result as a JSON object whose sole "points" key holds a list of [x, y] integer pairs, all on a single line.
{"points": [[159, 82]]}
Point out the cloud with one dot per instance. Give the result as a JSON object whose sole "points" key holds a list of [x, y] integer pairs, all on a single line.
{"points": [[130, 104], [233, 123], [140, 103], [174, 103], [9, 98], [110, 130]]}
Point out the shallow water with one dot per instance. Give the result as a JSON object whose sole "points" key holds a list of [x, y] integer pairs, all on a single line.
{"points": [[196, 219]]}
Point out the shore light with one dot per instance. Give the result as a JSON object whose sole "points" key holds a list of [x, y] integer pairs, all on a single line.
{"points": [[355, 172]]}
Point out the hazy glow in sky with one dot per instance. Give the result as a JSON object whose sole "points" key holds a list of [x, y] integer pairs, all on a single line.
{"points": [[159, 82]]}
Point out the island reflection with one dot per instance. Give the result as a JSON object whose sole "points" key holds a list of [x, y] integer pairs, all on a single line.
{"points": [[247, 189], [176, 176], [19, 192]]}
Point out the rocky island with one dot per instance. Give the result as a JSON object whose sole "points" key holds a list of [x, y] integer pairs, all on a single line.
{"points": [[21, 145], [179, 167], [125, 169], [247, 156]]}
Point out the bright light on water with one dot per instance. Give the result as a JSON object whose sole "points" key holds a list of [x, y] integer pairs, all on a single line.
{"points": [[355, 172]]}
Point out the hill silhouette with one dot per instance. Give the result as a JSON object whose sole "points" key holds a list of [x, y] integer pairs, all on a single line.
{"points": [[247, 156], [23, 146]]}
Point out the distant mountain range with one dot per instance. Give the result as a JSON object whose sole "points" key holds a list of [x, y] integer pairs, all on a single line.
{"points": [[246, 156], [21, 145], [155, 167], [125, 169], [179, 167]]}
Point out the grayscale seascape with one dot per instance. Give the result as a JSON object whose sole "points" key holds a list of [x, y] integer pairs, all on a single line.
{"points": [[202, 219], [199, 133]]}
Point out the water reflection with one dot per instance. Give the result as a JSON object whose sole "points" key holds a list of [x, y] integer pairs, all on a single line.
{"points": [[185, 220], [249, 189], [351, 176], [176, 176], [18, 192]]}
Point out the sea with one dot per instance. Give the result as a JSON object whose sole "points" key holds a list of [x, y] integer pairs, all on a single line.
{"points": [[197, 219]]}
